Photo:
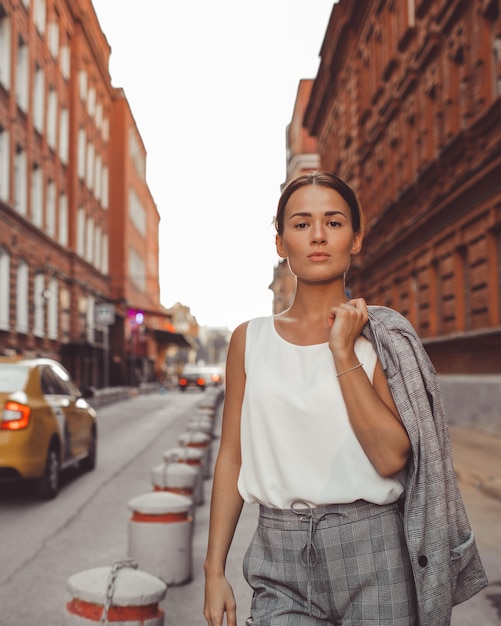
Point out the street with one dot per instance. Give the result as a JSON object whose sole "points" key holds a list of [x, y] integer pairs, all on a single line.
{"points": [[44, 543]]}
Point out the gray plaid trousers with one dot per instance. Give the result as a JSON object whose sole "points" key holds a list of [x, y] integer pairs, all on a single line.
{"points": [[342, 564]]}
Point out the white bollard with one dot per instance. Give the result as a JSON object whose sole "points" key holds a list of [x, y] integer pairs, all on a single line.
{"points": [[202, 441], [194, 458], [125, 596], [160, 535], [179, 478], [202, 424]]}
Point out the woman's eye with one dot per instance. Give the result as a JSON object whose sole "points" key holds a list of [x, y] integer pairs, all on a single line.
{"points": [[301, 225], [334, 224]]}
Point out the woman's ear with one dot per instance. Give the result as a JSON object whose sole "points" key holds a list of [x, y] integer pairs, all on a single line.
{"points": [[357, 243], [280, 247]]}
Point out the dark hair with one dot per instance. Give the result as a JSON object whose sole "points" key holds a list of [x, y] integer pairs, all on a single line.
{"points": [[324, 179]]}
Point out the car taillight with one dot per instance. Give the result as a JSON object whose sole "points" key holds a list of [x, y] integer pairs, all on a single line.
{"points": [[201, 382], [215, 378], [15, 416], [183, 381]]}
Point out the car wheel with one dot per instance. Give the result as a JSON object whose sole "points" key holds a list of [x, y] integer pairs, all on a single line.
{"points": [[89, 463], [47, 486]]}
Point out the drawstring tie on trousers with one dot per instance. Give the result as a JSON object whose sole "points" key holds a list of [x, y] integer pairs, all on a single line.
{"points": [[309, 554]]}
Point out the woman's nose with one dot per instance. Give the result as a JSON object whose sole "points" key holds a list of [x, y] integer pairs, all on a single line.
{"points": [[318, 234]]}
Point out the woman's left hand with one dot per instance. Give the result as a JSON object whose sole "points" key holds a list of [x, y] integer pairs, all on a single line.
{"points": [[346, 323]]}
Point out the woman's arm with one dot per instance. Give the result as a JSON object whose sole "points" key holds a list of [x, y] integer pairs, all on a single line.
{"points": [[371, 409], [226, 502]]}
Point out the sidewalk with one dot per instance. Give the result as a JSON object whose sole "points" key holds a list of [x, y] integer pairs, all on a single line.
{"points": [[477, 459]]}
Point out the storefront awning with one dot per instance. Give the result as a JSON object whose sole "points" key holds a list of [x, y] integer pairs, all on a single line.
{"points": [[168, 338]]}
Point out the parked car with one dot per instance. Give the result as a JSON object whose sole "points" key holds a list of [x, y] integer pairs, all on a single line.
{"points": [[192, 376], [46, 424]]}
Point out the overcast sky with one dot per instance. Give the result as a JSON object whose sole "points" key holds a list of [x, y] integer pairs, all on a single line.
{"points": [[212, 87]]}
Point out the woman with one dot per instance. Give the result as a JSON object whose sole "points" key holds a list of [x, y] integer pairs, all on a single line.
{"points": [[330, 450]]}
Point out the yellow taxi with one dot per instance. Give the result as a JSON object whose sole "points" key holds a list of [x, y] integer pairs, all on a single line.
{"points": [[46, 424]]}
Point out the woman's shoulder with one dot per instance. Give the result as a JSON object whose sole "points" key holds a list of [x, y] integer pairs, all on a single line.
{"points": [[240, 332]]}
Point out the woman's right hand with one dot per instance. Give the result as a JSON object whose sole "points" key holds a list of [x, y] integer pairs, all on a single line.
{"points": [[219, 599]]}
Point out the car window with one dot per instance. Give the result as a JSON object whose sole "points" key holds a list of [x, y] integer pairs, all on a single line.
{"points": [[64, 380], [12, 377], [51, 385]]}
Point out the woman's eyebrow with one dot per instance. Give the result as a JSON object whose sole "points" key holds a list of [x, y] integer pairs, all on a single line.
{"points": [[307, 214]]}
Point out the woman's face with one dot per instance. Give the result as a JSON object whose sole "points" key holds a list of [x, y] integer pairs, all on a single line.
{"points": [[318, 239]]}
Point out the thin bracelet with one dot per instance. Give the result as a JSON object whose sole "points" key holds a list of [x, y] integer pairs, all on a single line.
{"points": [[350, 369]]}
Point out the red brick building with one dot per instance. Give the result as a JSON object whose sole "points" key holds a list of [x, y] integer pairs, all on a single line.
{"points": [[406, 106], [78, 225]]}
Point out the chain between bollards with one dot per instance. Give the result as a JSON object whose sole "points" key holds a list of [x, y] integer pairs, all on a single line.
{"points": [[110, 590]]}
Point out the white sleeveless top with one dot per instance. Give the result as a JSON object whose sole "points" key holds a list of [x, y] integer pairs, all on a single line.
{"points": [[296, 438]]}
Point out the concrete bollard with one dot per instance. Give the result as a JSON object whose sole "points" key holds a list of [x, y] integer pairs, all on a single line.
{"points": [[202, 423], [160, 535], [202, 441], [194, 458], [119, 594], [179, 478]]}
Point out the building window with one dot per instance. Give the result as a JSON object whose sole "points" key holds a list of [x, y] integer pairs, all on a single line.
{"points": [[50, 217], [22, 75], [39, 15], [80, 231], [37, 196], [91, 305], [91, 102], [4, 289], [89, 240], [39, 99], [64, 61], [64, 135], [52, 119], [104, 188], [90, 166], [22, 297], [104, 255], [64, 308], [137, 213], [99, 116], [52, 309], [98, 166], [81, 154], [136, 269], [53, 39], [4, 164], [62, 231], [5, 43], [98, 247], [20, 182], [39, 306]]}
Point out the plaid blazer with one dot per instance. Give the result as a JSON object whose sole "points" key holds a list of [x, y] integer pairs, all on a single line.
{"points": [[445, 560]]}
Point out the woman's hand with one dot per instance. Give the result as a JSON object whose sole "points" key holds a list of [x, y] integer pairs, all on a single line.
{"points": [[219, 599], [346, 323]]}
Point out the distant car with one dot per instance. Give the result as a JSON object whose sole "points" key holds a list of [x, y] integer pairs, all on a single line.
{"points": [[214, 374], [46, 424], [192, 376]]}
